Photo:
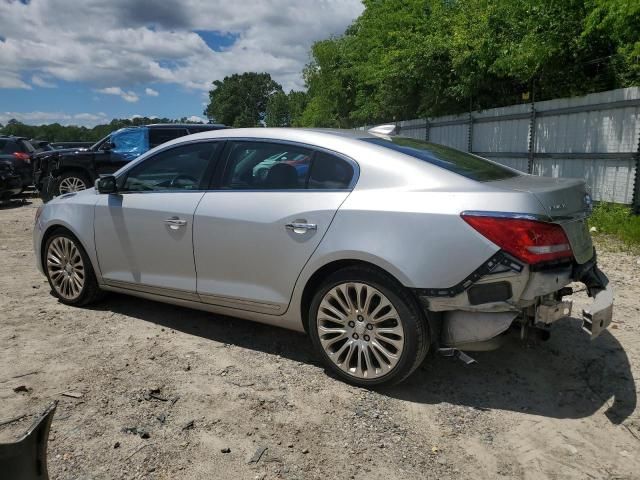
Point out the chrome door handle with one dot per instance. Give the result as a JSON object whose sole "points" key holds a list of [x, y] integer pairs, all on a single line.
{"points": [[175, 223], [298, 227]]}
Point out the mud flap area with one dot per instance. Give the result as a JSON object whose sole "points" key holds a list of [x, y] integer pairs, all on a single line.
{"points": [[26, 459]]}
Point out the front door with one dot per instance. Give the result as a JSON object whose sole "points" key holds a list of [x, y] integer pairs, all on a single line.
{"points": [[253, 237], [144, 233]]}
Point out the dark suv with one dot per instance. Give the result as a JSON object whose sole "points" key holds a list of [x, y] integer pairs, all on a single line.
{"points": [[70, 170], [16, 152]]}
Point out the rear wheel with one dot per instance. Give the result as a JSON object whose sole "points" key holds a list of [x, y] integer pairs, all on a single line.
{"points": [[69, 270], [367, 328], [70, 182]]}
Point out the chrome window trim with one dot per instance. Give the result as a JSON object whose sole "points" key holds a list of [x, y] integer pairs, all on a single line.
{"points": [[513, 215]]}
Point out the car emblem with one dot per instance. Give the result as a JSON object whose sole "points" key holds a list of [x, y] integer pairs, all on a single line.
{"points": [[558, 206]]}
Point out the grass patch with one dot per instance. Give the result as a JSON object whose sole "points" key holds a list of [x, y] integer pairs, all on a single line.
{"points": [[615, 219]]}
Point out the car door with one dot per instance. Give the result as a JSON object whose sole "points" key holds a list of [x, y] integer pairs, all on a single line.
{"points": [[253, 236], [144, 233]]}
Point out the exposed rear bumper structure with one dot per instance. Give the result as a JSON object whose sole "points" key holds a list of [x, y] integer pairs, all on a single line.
{"points": [[597, 317], [537, 302]]}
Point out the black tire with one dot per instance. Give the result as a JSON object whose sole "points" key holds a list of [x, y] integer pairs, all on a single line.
{"points": [[90, 291], [414, 323], [67, 176]]}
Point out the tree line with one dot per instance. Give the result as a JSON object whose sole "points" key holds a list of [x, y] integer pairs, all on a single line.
{"points": [[55, 132]]}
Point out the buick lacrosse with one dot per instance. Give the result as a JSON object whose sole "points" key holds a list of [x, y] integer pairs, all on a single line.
{"points": [[380, 247]]}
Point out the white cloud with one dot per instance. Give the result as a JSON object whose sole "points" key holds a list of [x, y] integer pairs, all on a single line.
{"points": [[135, 43], [64, 118], [12, 80], [195, 118], [38, 81], [128, 96], [151, 92]]}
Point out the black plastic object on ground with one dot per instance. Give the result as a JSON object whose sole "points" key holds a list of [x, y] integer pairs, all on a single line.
{"points": [[26, 459]]}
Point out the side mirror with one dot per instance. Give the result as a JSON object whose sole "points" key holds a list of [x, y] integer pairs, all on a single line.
{"points": [[107, 146], [106, 184]]}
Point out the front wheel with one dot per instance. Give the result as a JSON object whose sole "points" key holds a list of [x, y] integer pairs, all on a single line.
{"points": [[367, 328], [69, 270]]}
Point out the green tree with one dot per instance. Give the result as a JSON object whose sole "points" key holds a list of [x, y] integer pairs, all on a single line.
{"points": [[277, 113], [414, 58], [241, 99]]}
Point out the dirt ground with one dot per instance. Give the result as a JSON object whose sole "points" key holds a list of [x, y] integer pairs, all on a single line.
{"points": [[197, 385]]}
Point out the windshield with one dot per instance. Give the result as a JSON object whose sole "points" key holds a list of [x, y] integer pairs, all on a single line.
{"points": [[465, 164], [96, 145]]}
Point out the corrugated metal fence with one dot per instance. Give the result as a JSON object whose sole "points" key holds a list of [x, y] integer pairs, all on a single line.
{"points": [[595, 137]]}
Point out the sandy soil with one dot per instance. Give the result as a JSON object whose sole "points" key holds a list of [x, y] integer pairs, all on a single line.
{"points": [[565, 409]]}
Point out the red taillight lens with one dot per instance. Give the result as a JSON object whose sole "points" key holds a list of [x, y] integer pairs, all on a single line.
{"points": [[528, 240], [22, 156]]}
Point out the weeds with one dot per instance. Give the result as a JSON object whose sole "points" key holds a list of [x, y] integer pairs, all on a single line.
{"points": [[615, 219]]}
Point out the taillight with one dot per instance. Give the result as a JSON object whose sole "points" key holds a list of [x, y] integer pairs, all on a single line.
{"points": [[22, 156], [531, 241]]}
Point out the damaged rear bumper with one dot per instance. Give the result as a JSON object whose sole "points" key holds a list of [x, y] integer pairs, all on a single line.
{"points": [[535, 302]]}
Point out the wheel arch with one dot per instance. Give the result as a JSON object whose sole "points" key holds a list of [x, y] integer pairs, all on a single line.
{"points": [[56, 227]]}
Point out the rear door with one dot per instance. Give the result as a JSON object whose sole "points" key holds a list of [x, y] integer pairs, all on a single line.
{"points": [[253, 235]]}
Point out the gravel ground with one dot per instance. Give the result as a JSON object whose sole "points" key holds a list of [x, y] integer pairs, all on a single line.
{"points": [[167, 392]]}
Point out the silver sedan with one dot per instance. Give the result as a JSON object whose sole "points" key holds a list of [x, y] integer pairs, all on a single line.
{"points": [[380, 247]]}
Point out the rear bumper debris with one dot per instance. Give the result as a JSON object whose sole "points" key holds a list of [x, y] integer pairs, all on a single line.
{"points": [[26, 459]]}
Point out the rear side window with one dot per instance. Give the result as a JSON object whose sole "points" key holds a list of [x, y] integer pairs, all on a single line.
{"points": [[266, 166], [330, 172], [158, 136], [462, 163]]}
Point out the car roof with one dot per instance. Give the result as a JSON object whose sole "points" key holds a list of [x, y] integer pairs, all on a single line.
{"points": [[11, 137], [203, 126]]}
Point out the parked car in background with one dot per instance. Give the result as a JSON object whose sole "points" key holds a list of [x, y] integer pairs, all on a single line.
{"points": [[40, 145], [10, 182], [63, 145], [382, 249], [17, 151], [74, 169]]}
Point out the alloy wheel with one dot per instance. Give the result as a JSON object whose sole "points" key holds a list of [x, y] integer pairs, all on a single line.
{"points": [[65, 268], [71, 184], [360, 330]]}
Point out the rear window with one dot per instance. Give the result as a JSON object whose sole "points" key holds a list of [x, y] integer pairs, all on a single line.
{"points": [[158, 136], [8, 147], [462, 163]]}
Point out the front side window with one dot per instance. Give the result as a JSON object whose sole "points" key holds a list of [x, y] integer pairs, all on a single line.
{"points": [[266, 166], [180, 168], [465, 164], [130, 143]]}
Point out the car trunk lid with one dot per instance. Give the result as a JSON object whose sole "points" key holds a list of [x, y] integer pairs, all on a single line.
{"points": [[565, 201]]}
